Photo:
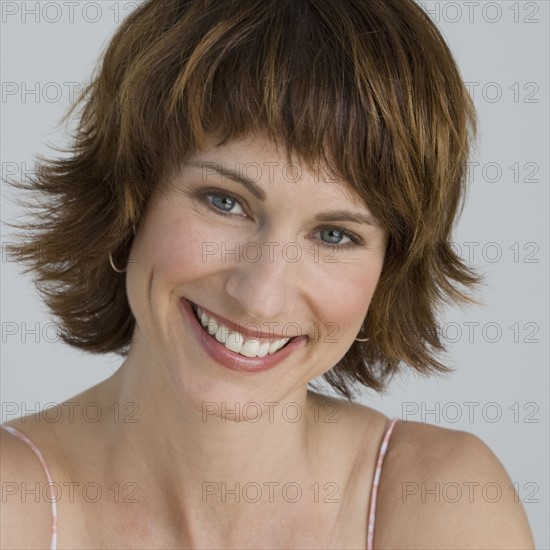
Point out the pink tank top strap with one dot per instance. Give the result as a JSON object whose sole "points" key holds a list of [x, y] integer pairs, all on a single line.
{"points": [[376, 481], [24, 438]]}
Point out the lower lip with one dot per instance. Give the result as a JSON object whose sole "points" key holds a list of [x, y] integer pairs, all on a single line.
{"points": [[231, 360]]}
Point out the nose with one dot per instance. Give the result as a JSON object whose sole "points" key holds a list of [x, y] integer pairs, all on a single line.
{"points": [[264, 280]]}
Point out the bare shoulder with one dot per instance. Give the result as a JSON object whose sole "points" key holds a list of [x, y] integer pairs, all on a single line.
{"points": [[443, 488], [25, 494]]}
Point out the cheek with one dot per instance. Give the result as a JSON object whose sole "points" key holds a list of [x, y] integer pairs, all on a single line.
{"points": [[346, 299], [356, 294], [176, 246], [168, 252]]}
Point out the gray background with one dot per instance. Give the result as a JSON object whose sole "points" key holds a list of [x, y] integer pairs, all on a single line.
{"points": [[500, 351]]}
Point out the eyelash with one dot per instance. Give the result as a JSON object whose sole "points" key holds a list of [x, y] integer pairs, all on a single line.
{"points": [[204, 194]]}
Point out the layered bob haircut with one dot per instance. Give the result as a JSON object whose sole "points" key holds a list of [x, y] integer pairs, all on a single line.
{"points": [[366, 87]]}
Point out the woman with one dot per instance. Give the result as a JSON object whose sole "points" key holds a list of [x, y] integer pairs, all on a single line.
{"points": [[259, 193]]}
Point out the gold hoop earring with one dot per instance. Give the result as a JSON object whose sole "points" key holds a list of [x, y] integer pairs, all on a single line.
{"points": [[362, 339], [113, 265]]}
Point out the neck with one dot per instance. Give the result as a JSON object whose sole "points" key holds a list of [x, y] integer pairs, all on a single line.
{"points": [[188, 457]]}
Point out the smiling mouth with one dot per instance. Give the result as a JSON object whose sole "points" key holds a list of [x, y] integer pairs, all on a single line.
{"points": [[236, 341]]}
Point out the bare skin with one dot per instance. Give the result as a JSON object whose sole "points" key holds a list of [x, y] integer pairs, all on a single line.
{"points": [[177, 458], [418, 453], [345, 437]]}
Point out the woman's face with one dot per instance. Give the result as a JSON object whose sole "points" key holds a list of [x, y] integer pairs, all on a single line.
{"points": [[275, 255]]}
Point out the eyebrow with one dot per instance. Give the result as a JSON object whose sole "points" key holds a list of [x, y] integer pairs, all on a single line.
{"points": [[259, 193], [233, 175]]}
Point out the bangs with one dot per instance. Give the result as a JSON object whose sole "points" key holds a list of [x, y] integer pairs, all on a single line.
{"points": [[282, 68]]}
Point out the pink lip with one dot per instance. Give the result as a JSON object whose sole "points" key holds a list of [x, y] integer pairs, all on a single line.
{"points": [[229, 359]]}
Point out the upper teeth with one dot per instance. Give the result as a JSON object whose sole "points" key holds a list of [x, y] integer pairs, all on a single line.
{"points": [[237, 342]]}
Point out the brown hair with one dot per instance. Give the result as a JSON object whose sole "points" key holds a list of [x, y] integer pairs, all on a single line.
{"points": [[367, 87]]}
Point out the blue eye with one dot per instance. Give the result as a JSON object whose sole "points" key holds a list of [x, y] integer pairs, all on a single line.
{"points": [[224, 203], [335, 234], [354, 240]]}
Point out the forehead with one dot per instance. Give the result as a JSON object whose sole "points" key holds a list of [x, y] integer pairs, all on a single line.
{"points": [[257, 158]]}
